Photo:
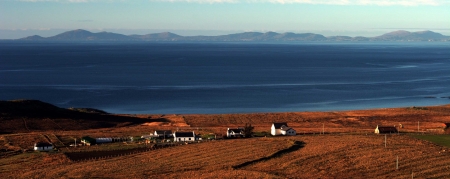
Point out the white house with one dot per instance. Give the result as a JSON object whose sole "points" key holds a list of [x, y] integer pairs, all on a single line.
{"points": [[231, 133], [184, 136], [43, 146], [282, 129]]}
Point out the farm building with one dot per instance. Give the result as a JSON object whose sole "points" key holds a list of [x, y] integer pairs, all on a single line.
{"points": [[43, 146], [163, 133], [385, 130], [103, 140], [233, 133], [86, 140], [282, 129], [184, 136]]}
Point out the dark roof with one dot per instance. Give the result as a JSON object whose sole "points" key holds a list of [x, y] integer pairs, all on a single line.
{"points": [[286, 128], [278, 125], [387, 129], [236, 130], [42, 144], [184, 134], [161, 132]]}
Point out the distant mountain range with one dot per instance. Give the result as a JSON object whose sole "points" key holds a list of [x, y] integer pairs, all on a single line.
{"points": [[84, 35]]}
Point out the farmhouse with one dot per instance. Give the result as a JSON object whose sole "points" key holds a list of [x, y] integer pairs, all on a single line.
{"points": [[43, 146], [385, 130], [163, 133], [184, 136], [235, 133], [282, 129]]}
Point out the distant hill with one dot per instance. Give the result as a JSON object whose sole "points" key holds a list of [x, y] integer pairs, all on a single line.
{"points": [[84, 35], [402, 35], [33, 115]]}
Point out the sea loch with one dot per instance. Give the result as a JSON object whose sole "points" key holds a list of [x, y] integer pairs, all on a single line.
{"points": [[226, 77]]}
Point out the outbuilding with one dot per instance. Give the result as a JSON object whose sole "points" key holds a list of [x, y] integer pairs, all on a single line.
{"points": [[163, 133], [385, 130], [43, 146]]}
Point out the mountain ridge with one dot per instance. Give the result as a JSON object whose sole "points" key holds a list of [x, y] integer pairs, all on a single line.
{"points": [[84, 35]]}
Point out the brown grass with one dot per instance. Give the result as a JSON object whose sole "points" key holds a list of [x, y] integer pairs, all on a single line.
{"points": [[323, 156], [350, 154]]}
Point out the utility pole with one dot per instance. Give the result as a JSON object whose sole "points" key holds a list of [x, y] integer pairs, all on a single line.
{"points": [[323, 128], [396, 166], [418, 126], [75, 142]]}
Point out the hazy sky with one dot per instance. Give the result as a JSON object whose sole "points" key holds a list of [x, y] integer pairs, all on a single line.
{"points": [[194, 17]]}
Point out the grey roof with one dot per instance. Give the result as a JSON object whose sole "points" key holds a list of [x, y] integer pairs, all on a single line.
{"points": [[161, 132], [279, 124], [42, 144], [184, 134], [285, 128]]}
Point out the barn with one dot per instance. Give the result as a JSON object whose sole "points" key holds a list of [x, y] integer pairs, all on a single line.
{"points": [[385, 130], [163, 133]]}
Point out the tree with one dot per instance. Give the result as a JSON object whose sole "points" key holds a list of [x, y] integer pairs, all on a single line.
{"points": [[248, 130]]}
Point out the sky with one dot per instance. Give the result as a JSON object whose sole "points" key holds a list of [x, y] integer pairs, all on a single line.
{"points": [[20, 18]]}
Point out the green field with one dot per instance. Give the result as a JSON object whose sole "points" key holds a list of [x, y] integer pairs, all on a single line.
{"points": [[443, 140]]}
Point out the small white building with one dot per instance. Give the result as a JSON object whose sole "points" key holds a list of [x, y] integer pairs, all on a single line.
{"points": [[282, 129], [43, 146], [184, 136], [235, 133]]}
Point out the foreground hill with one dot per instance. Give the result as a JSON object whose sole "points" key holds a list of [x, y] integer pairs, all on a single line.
{"points": [[303, 156], [32, 115], [83, 35]]}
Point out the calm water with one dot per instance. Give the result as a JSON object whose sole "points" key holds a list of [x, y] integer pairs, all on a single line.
{"points": [[226, 77]]}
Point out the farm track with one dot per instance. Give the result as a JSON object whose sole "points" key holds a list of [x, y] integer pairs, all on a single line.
{"points": [[296, 146]]}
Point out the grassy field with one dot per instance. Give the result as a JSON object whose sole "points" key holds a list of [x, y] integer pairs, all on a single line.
{"points": [[443, 140]]}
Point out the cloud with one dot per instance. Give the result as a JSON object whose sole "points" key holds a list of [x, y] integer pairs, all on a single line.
{"points": [[323, 2]]}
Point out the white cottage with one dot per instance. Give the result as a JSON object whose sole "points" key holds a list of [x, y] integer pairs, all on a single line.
{"points": [[232, 133], [43, 146], [282, 129], [184, 136]]}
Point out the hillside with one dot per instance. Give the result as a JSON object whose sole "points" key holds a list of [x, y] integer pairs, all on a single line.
{"points": [[411, 36], [348, 146], [84, 35], [33, 115], [307, 156]]}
